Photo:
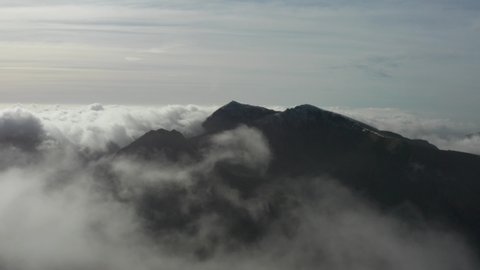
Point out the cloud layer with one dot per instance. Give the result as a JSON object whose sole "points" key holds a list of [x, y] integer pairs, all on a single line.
{"points": [[445, 133], [62, 209], [96, 127]]}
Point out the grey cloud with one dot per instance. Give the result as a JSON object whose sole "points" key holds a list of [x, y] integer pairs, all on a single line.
{"points": [[20, 128], [66, 228], [76, 226], [340, 230], [96, 107]]}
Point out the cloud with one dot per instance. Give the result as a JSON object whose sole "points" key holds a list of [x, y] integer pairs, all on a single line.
{"points": [[340, 230], [98, 127], [445, 133], [97, 107], [469, 144], [58, 218], [244, 146], [20, 128], [95, 127]]}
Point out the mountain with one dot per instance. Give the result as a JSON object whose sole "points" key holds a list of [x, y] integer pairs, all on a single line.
{"points": [[396, 173], [234, 113], [155, 143]]}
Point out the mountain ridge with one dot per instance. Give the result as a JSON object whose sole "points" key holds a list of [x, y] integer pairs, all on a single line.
{"points": [[387, 168]]}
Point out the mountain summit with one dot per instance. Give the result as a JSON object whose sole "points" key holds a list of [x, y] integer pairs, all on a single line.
{"points": [[169, 144], [233, 114]]}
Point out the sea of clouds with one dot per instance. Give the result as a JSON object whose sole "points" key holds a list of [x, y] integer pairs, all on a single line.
{"points": [[67, 202], [446, 134], [96, 126]]}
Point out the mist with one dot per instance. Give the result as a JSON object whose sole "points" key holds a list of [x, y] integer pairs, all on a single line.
{"points": [[63, 208]]}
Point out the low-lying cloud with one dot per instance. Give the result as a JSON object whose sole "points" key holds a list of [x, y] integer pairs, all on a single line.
{"points": [[99, 128], [445, 133], [95, 127], [21, 129], [61, 209]]}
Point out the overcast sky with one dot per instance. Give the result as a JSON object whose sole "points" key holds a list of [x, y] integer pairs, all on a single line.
{"points": [[407, 54]]}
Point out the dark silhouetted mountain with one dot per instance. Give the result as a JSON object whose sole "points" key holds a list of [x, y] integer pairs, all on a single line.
{"points": [[233, 114], [307, 143], [159, 143]]}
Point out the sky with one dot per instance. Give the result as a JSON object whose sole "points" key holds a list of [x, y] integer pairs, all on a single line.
{"points": [[411, 55]]}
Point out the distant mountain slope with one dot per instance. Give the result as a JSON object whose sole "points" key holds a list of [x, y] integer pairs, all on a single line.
{"points": [[306, 141]]}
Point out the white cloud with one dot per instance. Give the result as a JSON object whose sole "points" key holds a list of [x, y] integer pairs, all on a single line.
{"points": [[96, 107], [96, 126], [243, 145], [444, 133]]}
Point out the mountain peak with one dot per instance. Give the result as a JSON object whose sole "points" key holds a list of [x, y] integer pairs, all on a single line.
{"points": [[307, 107], [233, 103], [234, 114], [170, 143], [235, 106]]}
